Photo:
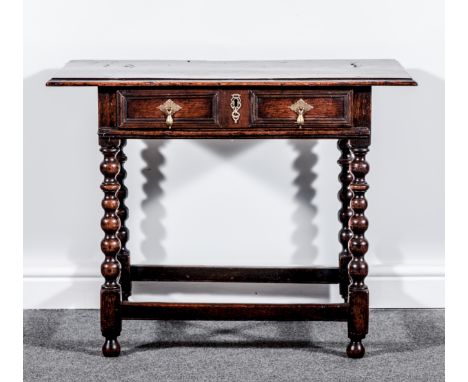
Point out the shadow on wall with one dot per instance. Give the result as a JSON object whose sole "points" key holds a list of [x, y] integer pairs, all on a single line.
{"points": [[305, 231], [407, 171], [152, 227], [62, 195], [304, 228], [406, 198], [154, 211]]}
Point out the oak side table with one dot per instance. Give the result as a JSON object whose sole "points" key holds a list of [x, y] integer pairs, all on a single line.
{"points": [[308, 99]]}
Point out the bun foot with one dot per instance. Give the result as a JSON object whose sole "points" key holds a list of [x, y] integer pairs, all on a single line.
{"points": [[111, 348], [355, 349]]}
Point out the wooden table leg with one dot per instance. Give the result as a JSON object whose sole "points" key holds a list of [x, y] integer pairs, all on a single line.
{"points": [[111, 321], [344, 214], [358, 321], [123, 234]]}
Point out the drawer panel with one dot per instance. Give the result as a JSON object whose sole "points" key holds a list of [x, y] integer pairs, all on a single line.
{"points": [[140, 109], [211, 113], [328, 108]]}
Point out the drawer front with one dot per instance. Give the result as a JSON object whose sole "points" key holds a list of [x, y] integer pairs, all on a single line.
{"points": [[235, 112], [323, 108], [149, 109]]}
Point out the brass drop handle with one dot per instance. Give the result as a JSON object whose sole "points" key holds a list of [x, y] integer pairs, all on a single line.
{"points": [[169, 119], [300, 108], [300, 117], [169, 108]]}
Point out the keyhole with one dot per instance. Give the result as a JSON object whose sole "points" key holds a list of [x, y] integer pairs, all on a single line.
{"points": [[235, 106]]}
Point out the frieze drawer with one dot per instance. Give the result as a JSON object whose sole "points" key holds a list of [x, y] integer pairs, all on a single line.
{"points": [[156, 109], [303, 109]]}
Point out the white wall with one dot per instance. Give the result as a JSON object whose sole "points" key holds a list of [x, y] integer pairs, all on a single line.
{"points": [[233, 202]]}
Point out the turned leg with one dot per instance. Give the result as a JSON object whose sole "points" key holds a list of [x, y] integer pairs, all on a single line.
{"points": [[344, 214], [358, 293], [111, 322], [123, 234]]}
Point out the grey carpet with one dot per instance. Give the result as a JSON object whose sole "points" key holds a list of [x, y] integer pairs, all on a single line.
{"points": [[64, 345]]}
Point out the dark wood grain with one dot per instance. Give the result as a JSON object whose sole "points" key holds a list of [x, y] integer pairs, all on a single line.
{"points": [[139, 109], [330, 108], [111, 323], [232, 73], [129, 96], [145, 82], [358, 321], [194, 133], [205, 113], [240, 312], [235, 274], [362, 101]]}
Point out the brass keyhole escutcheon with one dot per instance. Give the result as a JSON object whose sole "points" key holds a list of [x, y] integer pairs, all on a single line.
{"points": [[300, 108], [169, 108], [236, 104]]}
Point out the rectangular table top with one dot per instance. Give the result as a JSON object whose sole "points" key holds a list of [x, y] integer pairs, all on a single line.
{"points": [[209, 73]]}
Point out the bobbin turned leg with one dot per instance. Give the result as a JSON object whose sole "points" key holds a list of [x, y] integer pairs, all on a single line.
{"points": [[123, 234], [358, 320], [344, 214], [111, 322]]}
